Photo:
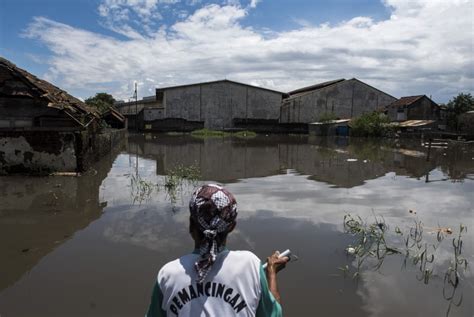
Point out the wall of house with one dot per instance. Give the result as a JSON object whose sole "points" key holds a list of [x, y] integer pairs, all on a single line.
{"points": [[24, 112], [397, 113], [37, 151], [40, 152], [218, 104], [423, 109], [347, 99]]}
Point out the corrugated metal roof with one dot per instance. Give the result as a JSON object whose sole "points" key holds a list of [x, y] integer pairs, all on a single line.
{"points": [[41, 89], [413, 123], [331, 122], [315, 87], [219, 81], [120, 104]]}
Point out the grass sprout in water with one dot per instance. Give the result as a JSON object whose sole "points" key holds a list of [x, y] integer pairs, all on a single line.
{"points": [[452, 276], [371, 244], [141, 189], [174, 181], [177, 177]]}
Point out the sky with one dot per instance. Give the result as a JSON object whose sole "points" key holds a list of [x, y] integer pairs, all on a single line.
{"points": [[402, 47]]}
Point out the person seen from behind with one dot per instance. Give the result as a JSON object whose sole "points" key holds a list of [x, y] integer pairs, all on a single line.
{"points": [[212, 280]]}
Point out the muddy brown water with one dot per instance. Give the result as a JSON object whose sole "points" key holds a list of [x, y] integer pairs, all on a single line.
{"points": [[89, 246]]}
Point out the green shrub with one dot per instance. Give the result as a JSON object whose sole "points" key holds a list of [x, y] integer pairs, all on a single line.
{"points": [[371, 125], [209, 133]]}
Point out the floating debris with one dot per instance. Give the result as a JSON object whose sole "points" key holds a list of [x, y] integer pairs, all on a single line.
{"points": [[441, 230], [352, 160], [350, 250]]}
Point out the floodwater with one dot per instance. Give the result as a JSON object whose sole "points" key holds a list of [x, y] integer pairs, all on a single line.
{"points": [[92, 245]]}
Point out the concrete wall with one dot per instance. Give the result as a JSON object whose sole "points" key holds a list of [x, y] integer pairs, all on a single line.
{"points": [[218, 104], [347, 99], [91, 147], [151, 114], [40, 152]]}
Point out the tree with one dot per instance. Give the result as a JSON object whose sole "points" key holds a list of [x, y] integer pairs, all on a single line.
{"points": [[101, 101], [460, 104]]}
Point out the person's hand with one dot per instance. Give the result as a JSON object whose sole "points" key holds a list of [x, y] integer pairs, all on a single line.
{"points": [[276, 264]]}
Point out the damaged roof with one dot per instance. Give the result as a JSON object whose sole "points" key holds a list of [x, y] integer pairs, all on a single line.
{"points": [[406, 101], [113, 112], [43, 90]]}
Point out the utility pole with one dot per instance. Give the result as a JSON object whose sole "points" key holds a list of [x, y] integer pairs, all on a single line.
{"points": [[136, 107]]}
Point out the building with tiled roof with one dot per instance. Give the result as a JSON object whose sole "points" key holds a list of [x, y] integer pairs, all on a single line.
{"points": [[413, 108], [27, 101]]}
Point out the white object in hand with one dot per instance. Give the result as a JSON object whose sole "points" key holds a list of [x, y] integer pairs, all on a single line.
{"points": [[286, 253]]}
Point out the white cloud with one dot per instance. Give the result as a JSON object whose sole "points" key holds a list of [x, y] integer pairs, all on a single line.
{"points": [[425, 47], [253, 3]]}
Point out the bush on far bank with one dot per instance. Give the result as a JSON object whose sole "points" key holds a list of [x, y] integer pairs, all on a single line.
{"points": [[371, 125]]}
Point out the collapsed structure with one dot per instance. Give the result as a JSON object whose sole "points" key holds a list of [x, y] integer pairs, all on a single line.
{"points": [[43, 128]]}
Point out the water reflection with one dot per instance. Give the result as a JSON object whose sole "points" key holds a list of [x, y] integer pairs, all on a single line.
{"points": [[95, 251], [333, 161], [37, 214]]}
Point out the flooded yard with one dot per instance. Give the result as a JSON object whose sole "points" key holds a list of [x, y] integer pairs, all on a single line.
{"points": [[92, 245]]}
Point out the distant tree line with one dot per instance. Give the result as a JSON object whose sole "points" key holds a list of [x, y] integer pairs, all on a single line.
{"points": [[460, 104]]}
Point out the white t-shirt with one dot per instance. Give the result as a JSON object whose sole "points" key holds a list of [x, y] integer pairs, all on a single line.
{"points": [[235, 286]]}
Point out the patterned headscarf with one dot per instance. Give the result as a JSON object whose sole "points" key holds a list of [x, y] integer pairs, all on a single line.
{"points": [[214, 209]]}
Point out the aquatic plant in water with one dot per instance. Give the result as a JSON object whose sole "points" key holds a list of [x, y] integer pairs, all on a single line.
{"points": [[174, 181], [177, 176], [371, 244]]}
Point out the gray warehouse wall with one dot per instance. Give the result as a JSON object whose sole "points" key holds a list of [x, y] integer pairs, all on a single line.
{"points": [[183, 103], [217, 104], [347, 99]]}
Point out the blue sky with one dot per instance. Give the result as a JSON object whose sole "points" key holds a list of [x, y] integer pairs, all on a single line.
{"points": [[86, 46]]}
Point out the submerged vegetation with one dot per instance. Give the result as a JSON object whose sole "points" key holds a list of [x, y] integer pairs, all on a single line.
{"points": [[244, 134], [370, 246], [177, 177], [207, 133], [174, 181]]}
